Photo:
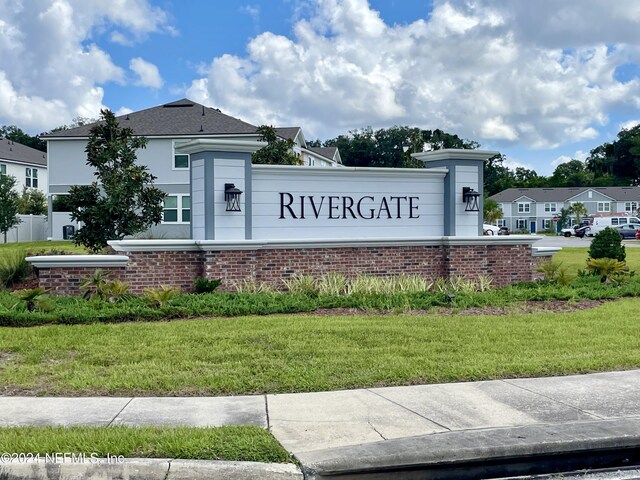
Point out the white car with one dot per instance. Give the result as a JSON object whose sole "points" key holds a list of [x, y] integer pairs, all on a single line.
{"points": [[490, 229]]}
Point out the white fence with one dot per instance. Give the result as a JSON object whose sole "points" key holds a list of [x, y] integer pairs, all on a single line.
{"points": [[32, 228]]}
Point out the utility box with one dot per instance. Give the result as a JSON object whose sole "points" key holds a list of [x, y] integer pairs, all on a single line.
{"points": [[68, 231]]}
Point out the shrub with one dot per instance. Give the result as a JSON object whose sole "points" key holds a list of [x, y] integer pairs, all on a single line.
{"points": [[555, 272], [607, 244], [161, 296], [304, 284], [333, 283], [204, 285], [13, 268], [609, 269], [34, 298]]}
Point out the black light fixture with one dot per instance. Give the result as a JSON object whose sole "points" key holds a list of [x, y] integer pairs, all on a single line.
{"points": [[232, 197], [470, 198]]}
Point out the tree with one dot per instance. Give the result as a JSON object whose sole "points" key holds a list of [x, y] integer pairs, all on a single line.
{"points": [[124, 202], [579, 210], [492, 211], [393, 146], [8, 205], [277, 151], [32, 202], [571, 174]]}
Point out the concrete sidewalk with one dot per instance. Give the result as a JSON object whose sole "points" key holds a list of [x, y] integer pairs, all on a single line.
{"points": [[308, 422]]}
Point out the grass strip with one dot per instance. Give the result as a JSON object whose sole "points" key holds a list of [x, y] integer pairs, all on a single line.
{"points": [[233, 443], [303, 353]]}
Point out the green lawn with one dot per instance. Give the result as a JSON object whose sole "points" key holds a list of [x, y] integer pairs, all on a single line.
{"points": [[294, 353], [221, 443], [66, 245], [575, 258]]}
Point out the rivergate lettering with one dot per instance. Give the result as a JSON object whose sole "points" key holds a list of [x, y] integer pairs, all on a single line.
{"points": [[335, 207]]}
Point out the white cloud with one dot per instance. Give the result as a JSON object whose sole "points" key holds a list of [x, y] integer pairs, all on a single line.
{"points": [[147, 73], [504, 72], [123, 111], [628, 125], [578, 155], [51, 70]]}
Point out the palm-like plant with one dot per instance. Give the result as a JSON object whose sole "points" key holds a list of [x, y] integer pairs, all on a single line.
{"points": [[607, 268], [579, 210]]}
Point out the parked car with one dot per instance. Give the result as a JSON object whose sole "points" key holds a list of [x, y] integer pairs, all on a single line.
{"points": [[493, 230], [490, 229], [628, 230], [576, 231]]}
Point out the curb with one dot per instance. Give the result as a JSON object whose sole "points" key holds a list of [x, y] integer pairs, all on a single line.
{"points": [[148, 469], [484, 453]]}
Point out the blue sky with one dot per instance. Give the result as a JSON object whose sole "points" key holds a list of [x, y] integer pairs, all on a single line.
{"points": [[542, 82]]}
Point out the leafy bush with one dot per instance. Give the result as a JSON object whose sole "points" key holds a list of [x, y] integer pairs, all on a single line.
{"points": [[333, 283], [13, 268], [204, 285], [555, 272], [608, 269], [161, 296], [298, 283], [607, 244], [34, 299]]}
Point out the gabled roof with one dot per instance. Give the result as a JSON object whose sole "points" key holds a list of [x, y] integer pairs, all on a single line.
{"points": [[18, 153], [328, 152], [181, 118], [287, 132], [562, 194]]}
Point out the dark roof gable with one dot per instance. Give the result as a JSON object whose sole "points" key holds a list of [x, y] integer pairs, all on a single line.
{"points": [[16, 152], [180, 118]]}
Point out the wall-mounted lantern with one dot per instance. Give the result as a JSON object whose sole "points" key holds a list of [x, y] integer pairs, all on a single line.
{"points": [[232, 197], [470, 198]]}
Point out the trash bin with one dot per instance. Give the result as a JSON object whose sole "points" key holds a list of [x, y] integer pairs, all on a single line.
{"points": [[68, 231]]}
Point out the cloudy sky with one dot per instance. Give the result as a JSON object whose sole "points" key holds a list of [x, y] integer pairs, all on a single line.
{"points": [[542, 81]]}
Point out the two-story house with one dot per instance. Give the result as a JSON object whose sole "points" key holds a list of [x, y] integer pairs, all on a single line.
{"points": [[166, 128], [311, 156], [534, 209], [26, 164]]}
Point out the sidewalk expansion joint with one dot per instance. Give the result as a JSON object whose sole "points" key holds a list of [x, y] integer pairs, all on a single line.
{"points": [[409, 410], [591, 414], [168, 468], [121, 410], [266, 411]]}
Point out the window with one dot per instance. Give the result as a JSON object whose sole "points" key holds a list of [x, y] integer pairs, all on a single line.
{"points": [[180, 161], [546, 224], [550, 207], [521, 224], [31, 177], [614, 221], [524, 207], [604, 206], [630, 206], [3, 169], [177, 209], [501, 222]]}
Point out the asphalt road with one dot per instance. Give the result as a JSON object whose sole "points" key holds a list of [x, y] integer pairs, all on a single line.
{"points": [[560, 241]]}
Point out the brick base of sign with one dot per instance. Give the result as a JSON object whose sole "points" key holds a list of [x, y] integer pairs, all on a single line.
{"points": [[504, 263]]}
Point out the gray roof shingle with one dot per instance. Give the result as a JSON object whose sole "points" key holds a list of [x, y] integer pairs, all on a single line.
{"points": [[180, 118], [16, 152], [327, 152], [287, 132], [562, 194]]}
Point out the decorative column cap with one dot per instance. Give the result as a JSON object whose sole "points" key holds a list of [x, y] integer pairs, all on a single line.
{"points": [[454, 154], [219, 145]]}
